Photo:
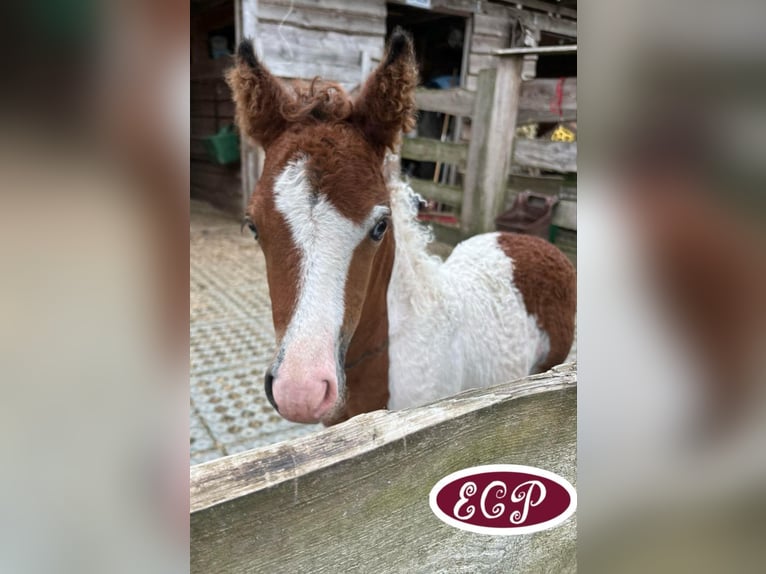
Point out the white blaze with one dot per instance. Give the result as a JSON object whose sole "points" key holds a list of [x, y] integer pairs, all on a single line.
{"points": [[326, 241]]}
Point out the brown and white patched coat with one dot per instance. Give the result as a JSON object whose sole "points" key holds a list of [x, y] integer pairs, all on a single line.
{"points": [[365, 318]]}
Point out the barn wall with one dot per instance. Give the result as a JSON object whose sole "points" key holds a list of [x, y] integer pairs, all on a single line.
{"points": [[339, 40], [211, 109]]}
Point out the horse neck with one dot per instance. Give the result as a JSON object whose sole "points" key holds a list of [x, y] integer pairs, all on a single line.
{"points": [[416, 275], [402, 273], [366, 363]]}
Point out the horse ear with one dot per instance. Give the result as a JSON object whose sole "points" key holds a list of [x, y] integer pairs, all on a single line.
{"points": [[386, 105], [258, 96]]}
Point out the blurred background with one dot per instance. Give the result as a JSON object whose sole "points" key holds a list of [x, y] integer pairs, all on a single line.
{"points": [[672, 287], [94, 150]]}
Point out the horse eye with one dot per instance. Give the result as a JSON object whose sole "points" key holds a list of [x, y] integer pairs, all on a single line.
{"points": [[380, 228], [251, 226]]}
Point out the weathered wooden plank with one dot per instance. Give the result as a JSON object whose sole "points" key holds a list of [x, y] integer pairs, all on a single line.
{"points": [[295, 53], [555, 156], [490, 151], [373, 8], [548, 184], [268, 510], [539, 94], [320, 40], [479, 62], [548, 7], [537, 50], [320, 19], [346, 75], [545, 23], [424, 149], [453, 101], [450, 194], [487, 25], [481, 44], [460, 7]]}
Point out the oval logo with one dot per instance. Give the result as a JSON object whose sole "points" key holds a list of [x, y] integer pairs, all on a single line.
{"points": [[503, 499]]}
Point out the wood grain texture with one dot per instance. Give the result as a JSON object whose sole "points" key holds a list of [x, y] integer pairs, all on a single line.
{"points": [[321, 18], [425, 149], [539, 94], [488, 44], [555, 156], [489, 154], [374, 8], [486, 25], [478, 62], [354, 498], [545, 23], [453, 101], [549, 7]]}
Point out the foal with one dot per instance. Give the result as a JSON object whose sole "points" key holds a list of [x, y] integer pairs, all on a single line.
{"points": [[365, 319]]}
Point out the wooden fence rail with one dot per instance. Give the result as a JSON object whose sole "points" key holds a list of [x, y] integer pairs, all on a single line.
{"points": [[354, 497], [500, 102], [534, 103]]}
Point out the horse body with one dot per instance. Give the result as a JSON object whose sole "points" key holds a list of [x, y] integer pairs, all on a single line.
{"points": [[457, 324], [365, 319]]}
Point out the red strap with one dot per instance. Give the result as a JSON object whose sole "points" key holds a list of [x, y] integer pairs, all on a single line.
{"points": [[558, 102]]}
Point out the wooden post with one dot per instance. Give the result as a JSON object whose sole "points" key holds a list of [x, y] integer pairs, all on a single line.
{"points": [[246, 21], [492, 136]]}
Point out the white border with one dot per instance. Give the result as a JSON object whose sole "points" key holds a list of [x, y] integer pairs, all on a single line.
{"points": [[511, 530]]}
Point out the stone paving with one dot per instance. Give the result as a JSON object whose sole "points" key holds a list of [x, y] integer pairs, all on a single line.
{"points": [[231, 341]]}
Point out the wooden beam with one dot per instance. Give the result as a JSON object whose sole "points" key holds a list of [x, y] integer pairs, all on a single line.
{"points": [[450, 194], [453, 101], [479, 62], [545, 23], [494, 119], [373, 9], [548, 7], [457, 7], [250, 154], [537, 50], [425, 149], [268, 510], [544, 154]]}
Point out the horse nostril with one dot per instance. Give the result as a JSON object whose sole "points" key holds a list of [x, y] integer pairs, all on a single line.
{"points": [[269, 382]]}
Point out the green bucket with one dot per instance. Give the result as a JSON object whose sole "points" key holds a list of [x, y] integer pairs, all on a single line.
{"points": [[223, 147]]}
